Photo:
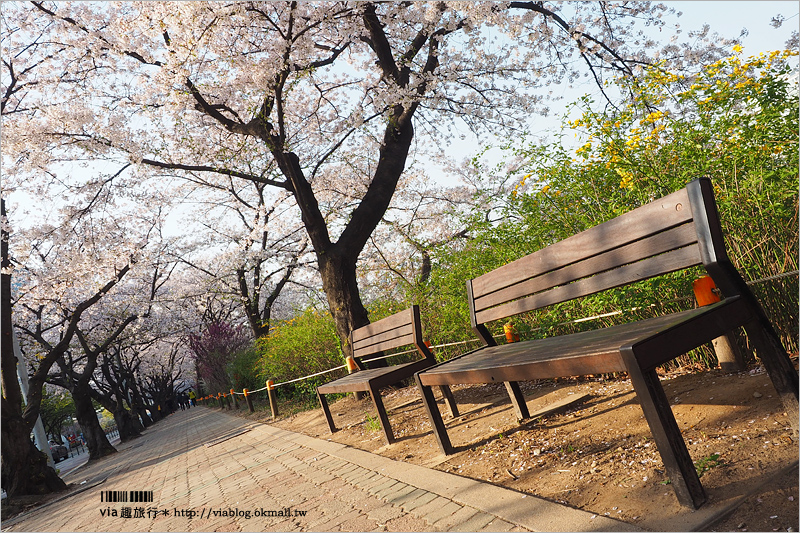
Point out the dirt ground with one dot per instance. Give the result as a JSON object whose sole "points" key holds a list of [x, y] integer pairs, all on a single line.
{"points": [[597, 454]]}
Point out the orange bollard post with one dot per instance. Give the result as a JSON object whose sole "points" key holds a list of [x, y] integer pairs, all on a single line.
{"points": [[249, 400], [235, 401], [511, 336], [705, 291], [729, 356], [353, 367], [273, 400]]}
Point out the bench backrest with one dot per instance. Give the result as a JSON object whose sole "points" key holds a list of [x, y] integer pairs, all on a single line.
{"points": [[678, 231], [400, 329]]}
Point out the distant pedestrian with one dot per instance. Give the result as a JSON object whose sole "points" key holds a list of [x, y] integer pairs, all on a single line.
{"points": [[192, 397]]}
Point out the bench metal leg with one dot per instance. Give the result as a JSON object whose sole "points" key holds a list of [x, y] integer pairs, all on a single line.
{"points": [[517, 400], [450, 400], [437, 424], [677, 461], [326, 411], [778, 365], [378, 402]]}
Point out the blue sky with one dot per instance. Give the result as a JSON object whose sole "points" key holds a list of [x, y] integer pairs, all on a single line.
{"points": [[728, 18]]}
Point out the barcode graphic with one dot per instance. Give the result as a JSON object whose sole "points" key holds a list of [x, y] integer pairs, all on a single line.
{"points": [[126, 496]]}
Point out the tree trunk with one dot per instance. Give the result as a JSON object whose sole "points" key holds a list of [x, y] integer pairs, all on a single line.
{"points": [[341, 288], [23, 468], [155, 412], [137, 422], [138, 407], [93, 433], [144, 417], [35, 476], [125, 424]]}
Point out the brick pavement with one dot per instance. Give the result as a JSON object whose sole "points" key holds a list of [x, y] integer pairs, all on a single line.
{"points": [[210, 471]]}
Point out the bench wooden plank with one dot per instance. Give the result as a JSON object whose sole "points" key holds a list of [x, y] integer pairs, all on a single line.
{"points": [[638, 224], [395, 338], [669, 240], [654, 266], [393, 334], [588, 352], [357, 381], [385, 324], [387, 345]]}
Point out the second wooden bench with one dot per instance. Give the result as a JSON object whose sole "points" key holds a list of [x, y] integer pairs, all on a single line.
{"points": [[396, 331]]}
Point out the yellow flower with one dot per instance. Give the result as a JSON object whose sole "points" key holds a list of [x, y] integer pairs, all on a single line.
{"points": [[737, 48], [583, 149], [627, 178], [652, 117]]}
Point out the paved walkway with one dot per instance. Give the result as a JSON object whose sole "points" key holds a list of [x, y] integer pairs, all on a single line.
{"points": [[255, 477]]}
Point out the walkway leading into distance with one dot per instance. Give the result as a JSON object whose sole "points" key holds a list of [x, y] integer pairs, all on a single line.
{"points": [[209, 471]]}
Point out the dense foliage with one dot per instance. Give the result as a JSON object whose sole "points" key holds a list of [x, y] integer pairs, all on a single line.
{"points": [[736, 122]]}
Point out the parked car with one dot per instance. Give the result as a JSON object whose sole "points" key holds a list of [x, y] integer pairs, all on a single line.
{"points": [[59, 451]]}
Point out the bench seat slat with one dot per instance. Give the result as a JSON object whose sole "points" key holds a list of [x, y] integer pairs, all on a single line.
{"points": [[640, 223], [661, 264], [678, 237], [589, 352], [359, 381]]}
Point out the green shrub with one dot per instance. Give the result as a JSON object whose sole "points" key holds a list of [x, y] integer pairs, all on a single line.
{"points": [[301, 346], [244, 369]]}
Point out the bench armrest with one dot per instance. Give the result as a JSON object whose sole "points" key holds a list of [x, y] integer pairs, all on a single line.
{"points": [[689, 332]]}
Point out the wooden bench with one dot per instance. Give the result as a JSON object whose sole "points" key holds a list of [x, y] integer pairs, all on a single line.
{"points": [[401, 329], [679, 231]]}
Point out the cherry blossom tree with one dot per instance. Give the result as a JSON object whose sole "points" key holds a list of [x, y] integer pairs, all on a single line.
{"points": [[81, 241], [75, 372], [252, 247], [335, 95], [85, 267], [114, 391], [163, 374], [24, 468]]}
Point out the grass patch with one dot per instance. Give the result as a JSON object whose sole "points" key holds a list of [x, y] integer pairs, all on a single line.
{"points": [[707, 463]]}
